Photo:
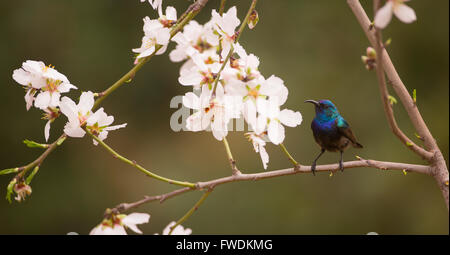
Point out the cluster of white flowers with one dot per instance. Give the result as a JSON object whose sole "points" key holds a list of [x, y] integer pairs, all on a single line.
{"points": [[239, 90], [48, 84], [156, 31]]}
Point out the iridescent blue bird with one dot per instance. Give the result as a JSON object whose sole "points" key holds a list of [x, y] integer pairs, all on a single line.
{"points": [[331, 131]]}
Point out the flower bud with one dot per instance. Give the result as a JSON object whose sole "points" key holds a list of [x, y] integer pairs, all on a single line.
{"points": [[371, 53], [253, 19]]}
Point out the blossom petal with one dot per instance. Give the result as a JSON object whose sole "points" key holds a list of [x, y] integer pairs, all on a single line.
{"points": [[133, 219], [66, 87], [171, 13], [275, 132], [290, 118], [42, 100], [264, 156], [22, 77], [73, 129], [405, 13], [86, 102], [115, 127], [47, 130], [384, 15], [69, 108], [191, 100], [54, 101], [29, 98]]}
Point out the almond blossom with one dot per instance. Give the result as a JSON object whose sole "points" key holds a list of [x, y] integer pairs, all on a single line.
{"points": [[81, 114], [37, 77], [178, 230], [195, 38], [98, 124], [117, 224], [272, 118], [212, 110], [398, 7], [200, 71], [155, 34], [170, 18], [245, 68], [226, 25]]}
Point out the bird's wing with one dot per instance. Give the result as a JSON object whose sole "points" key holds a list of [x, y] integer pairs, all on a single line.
{"points": [[345, 130]]}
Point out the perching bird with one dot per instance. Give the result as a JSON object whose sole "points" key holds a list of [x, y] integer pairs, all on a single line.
{"points": [[331, 131]]}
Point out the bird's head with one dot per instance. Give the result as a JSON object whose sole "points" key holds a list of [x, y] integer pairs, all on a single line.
{"points": [[325, 109]]}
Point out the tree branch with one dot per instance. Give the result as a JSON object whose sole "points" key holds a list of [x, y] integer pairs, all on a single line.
{"points": [[382, 165], [438, 165]]}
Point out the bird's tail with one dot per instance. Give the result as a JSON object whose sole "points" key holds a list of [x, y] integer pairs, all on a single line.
{"points": [[357, 145]]}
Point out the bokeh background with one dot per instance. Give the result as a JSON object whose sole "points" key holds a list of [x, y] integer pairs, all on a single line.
{"points": [[315, 46]]}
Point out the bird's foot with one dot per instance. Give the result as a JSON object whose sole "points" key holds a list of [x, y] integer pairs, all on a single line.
{"points": [[341, 166], [313, 168]]}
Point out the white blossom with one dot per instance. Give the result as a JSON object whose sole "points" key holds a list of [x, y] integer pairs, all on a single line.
{"points": [[178, 230], [272, 118], [398, 7], [37, 77], [201, 70], [97, 123], [117, 223], [225, 25], [195, 38], [212, 110], [154, 34]]}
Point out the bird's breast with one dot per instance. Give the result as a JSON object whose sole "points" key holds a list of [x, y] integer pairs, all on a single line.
{"points": [[327, 135]]}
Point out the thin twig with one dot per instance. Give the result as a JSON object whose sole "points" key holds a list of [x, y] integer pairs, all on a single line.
{"points": [[191, 211], [284, 149], [136, 165]]}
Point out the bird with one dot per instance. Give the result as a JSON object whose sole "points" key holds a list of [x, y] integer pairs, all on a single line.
{"points": [[331, 131]]}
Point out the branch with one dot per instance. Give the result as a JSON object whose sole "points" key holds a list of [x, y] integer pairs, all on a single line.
{"points": [[37, 162], [382, 165], [438, 165], [191, 211], [398, 86], [192, 11], [136, 165]]}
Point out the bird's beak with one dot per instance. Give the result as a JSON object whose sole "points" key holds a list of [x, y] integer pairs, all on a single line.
{"points": [[312, 102]]}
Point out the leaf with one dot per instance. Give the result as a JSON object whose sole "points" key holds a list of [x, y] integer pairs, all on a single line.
{"points": [[30, 177], [409, 144], [392, 100], [9, 171], [414, 95], [405, 172], [32, 144], [9, 190], [388, 42]]}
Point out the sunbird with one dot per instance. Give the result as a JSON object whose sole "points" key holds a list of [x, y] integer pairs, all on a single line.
{"points": [[331, 131]]}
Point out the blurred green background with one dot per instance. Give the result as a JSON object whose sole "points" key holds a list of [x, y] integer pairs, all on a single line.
{"points": [[314, 46]]}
